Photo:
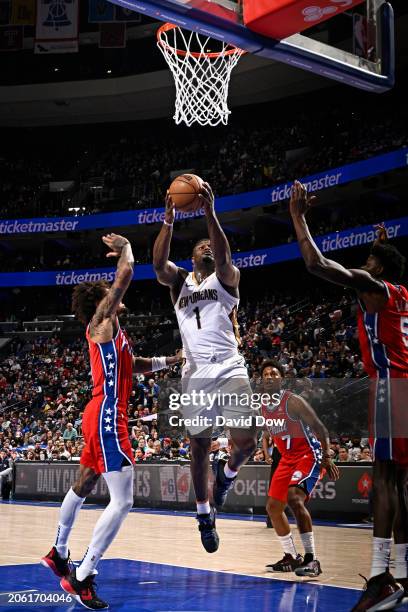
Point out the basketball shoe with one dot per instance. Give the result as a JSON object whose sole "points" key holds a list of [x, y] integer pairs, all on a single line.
{"points": [[310, 567], [222, 484], [208, 532], [61, 567], [381, 592], [286, 564], [404, 599], [83, 591]]}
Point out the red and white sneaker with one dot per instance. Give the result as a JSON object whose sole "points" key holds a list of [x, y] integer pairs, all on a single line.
{"points": [[83, 591], [58, 565]]}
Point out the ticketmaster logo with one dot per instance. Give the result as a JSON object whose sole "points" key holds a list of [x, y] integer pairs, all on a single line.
{"points": [[22, 227], [249, 261], [156, 215], [353, 239], [327, 180], [73, 278]]}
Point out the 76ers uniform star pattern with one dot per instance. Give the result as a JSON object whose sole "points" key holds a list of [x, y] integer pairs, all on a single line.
{"points": [[383, 339], [105, 422], [301, 451]]}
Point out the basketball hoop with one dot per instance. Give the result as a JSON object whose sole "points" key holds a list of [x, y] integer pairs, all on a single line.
{"points": [[201, 75]]}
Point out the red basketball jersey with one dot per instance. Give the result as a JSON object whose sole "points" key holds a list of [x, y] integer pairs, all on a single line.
{"points": [[291, 436], [383, 335], [111, 366]]}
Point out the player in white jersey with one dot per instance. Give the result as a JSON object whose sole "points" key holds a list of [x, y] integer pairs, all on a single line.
{"points": [[206, 302]]}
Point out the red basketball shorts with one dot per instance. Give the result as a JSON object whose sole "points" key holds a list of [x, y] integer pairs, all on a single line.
{"points": [[388, 416], [105, 430], [300, 470]]}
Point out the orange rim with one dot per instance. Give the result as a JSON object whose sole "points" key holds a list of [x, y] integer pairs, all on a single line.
{"points": [[166, 27]]}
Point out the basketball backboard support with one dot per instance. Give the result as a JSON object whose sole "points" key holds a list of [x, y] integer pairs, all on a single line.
{"points": [[222, 20]]}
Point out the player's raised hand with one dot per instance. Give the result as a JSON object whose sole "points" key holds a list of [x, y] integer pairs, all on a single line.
{"points": [[381, 232], [207, 198], [169, 213], [115, 243], [300, 200]]}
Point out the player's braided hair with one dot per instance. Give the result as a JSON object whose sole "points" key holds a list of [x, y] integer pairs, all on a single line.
{"points": [[391, 260], [85, 298]]}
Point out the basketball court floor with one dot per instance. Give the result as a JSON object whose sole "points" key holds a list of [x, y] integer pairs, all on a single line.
{"points": [[157, 563]]}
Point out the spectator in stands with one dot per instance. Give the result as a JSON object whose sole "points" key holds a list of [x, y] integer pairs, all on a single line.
{"points": [[139, 455], [157, 449], [166, 448], [259, 456], [55, 455], [366, 454], [343, 455], [152, 392], [49, 449], [70, 432]]}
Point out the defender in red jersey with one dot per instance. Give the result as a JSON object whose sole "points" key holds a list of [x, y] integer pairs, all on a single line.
{"points": [[383, 336], [107, 448], [304, 445]]}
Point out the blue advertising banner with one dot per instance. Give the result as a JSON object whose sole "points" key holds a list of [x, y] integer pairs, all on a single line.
{"points": [[358, 236], [251, 199]]}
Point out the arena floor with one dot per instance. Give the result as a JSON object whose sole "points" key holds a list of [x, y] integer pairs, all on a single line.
{"points": [[157, 563]]}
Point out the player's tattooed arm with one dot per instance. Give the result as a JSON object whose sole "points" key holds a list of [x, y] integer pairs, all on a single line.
{"points": [[316, 263], [120, 247], [299, 408], [226, 272]]}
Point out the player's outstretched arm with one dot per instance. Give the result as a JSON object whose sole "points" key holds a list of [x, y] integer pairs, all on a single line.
{"points": [[298, 408], [224, 268], [166, 271], [153, 364], [120, 247], [315, 261]]}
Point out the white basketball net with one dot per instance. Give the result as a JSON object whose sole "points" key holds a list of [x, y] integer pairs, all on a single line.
{"points": [[201, 77]]}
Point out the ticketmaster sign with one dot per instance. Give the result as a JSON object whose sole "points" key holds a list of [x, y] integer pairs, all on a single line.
{"points": [[323, 180], [247, 260]]}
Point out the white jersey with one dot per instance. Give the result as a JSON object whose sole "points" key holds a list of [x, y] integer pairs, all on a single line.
{"points": [[206, 314]]}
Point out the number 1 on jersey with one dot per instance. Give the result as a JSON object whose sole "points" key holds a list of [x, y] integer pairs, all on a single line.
{"points": [[197, 314]]}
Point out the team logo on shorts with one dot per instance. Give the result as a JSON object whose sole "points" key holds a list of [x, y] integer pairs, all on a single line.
{"points": [[297, 475]]}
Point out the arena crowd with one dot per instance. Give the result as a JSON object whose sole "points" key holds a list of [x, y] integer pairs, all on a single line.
{"points": [[45, 385], [132, 165]]}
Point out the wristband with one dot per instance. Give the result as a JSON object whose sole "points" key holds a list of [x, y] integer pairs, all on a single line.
{"points": [[158, 363], [168, 224]]}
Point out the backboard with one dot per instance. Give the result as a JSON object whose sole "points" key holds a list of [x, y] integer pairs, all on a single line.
{"points": [[225, 20]]}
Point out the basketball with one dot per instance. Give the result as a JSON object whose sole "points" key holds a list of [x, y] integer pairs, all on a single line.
{"points": [[184, 191]]}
